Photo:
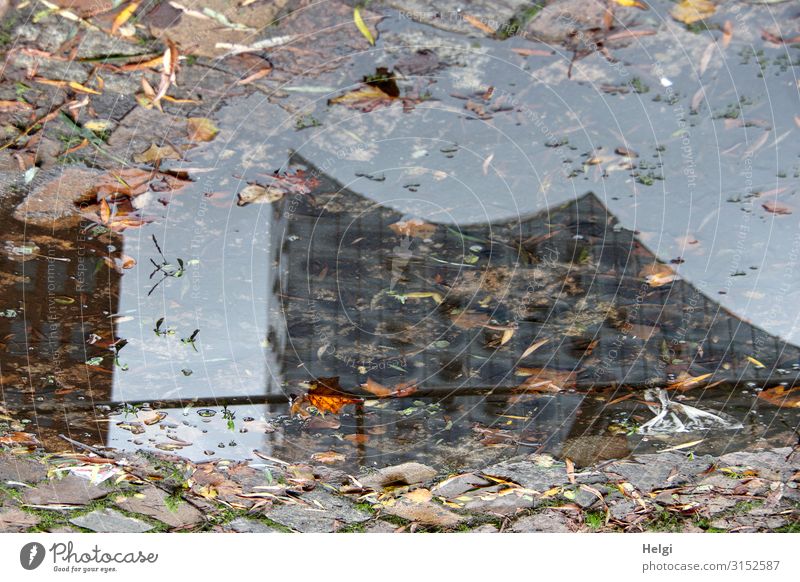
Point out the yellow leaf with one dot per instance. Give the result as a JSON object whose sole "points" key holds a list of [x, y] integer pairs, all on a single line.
{"points": [[507, 335], [631, 3], [361, 25], [690, 11], [123, 16], [533, 347], [425, 295], [755, 362], [82, 88]]}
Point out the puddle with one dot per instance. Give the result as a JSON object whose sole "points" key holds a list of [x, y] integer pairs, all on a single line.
{"points": [[511, 258]]}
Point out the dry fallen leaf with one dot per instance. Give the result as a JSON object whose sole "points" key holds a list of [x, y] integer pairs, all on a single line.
{"points": [[776, 208], [155, 154], [328, 457], [255, 194], [414, 228], [782, 396], [325, 395], [24, 439], [201, 129], [533, 347], [657, 274]]}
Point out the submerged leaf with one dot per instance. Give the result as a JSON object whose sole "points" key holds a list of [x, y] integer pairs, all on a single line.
{"points": [[201, 129]]}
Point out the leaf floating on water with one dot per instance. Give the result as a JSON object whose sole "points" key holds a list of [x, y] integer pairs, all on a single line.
{"points": [[782, 396], [533, 347], [328, 457], [325, 395], [479, 24], [631, 4], [362, 26], [376, 389], [414, 228], [255, 194], [546, 380], [24, 439], [755, 362], [776, 208], [658, 274], [691, 11], [155, 154], [201, 129], [366, 98], [685, 381]]}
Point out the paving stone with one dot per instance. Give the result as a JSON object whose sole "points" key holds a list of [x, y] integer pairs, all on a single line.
{"points": [[621, 510], [14, 520], [244, 525], [310, 518], [428, 513], [154, 504], [52, 202], [771, 464], [16, 468], [381, 526], [71, 490], [458, 485], [532, 472], [404, 474], [505, 505], [447, 15], [110, 521], [649, 472], [486, 528], [546, 521]]}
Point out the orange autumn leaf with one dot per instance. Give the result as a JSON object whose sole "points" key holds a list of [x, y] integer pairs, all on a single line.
{"points": [[414, 228], [376, 389], [123, 16], [401, 390], [479, 24], [326, 395], [782, 396], [24, 439]]}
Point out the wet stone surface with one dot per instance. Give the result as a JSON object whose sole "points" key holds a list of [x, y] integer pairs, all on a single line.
{"points": [[108, 520]]}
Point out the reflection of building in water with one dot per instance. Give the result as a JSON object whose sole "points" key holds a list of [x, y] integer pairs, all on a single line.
{"points": [[457, 308], [57, 297]]}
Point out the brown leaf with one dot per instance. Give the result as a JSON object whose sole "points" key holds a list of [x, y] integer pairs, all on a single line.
{"points": [[201, 129], [376, 389], [155, 154], [782, 396], [328, 457], [776, 208], [546, 380], [414, 228], [479, 24], [326, 395], [23, 439]]}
